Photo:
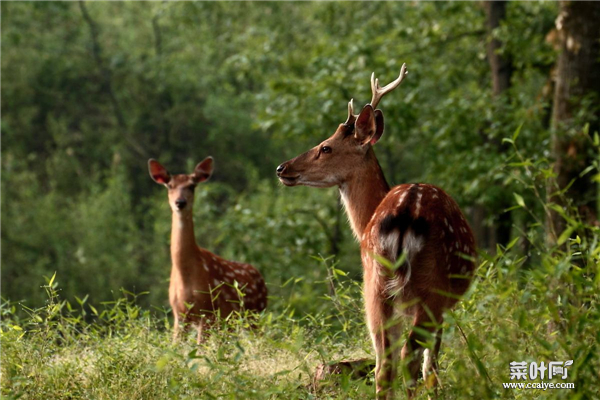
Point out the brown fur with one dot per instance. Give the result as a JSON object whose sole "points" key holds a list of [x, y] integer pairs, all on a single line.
{"points": [[419, 220], [202, 284]]}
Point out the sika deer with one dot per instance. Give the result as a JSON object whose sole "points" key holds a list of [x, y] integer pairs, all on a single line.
{"points": [[416, 223], [202, 283]]}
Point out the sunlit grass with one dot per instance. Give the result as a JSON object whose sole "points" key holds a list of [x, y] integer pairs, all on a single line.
{"points": [[125, 352]]}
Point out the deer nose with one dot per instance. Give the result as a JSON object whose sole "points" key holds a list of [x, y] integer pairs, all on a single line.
{"points": [[281, 168], [180, 203]]}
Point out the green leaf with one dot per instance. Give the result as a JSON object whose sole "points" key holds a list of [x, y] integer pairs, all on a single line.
{"points": [[520, 200], [517, 132], [565, 235], [512, 243], [52, 279], [585, 171]]}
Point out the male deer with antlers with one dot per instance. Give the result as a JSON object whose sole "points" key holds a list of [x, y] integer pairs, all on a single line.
{"points": [[416, 225], [203, 285]]}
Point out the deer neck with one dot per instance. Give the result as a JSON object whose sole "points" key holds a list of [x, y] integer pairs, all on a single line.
{"points": [[362, 193], [183, 242]]}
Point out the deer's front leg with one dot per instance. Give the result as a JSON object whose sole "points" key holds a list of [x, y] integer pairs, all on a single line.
{"points": [[385, 334], [176, 327], [201, 338]]}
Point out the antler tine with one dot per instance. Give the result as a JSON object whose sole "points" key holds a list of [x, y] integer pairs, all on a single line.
{"points": [[351, 116], [379, 92]]}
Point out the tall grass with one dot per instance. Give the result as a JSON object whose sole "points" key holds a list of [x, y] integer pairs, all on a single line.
{"points": [[528, 302]]}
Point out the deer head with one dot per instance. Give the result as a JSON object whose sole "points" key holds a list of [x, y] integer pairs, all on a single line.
{"points": [[347, 151], [181, 187]]}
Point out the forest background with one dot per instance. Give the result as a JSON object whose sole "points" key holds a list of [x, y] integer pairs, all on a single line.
{"points": [[500, 108]]}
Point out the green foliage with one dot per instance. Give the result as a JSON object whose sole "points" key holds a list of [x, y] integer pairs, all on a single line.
{"points": [[87, 100], [251, 85], [120, 350]]}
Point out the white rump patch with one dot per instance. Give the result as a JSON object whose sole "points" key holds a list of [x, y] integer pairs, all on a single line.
{"points": [[389, 244], [412, 244]]}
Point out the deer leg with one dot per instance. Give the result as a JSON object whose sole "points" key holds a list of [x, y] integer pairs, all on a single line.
{"points": [[201, 338], [412, 352], [385, 334], [430, 364], [176, 328]]}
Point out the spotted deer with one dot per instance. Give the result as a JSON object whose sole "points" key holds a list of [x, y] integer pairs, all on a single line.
{"points": [[203, 285], [417, 249]]}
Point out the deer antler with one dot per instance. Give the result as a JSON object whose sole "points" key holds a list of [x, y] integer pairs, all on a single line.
{"points": [[351, 116], [379, 92]]}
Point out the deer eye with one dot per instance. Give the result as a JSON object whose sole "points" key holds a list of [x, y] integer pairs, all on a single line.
{"points": [[326, 149]]}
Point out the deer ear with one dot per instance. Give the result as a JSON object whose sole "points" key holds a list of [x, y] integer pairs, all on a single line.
{"points": [[365, 125], [158, 173], [379, 129], [203, 170]]}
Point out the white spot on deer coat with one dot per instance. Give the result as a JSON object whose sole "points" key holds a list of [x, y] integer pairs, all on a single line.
{"points": [[401, 199], [418, 208]]}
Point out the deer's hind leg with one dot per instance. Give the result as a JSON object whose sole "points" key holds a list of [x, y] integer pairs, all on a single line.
{"points": [[385, 332], [430, 364], [413, 350]]}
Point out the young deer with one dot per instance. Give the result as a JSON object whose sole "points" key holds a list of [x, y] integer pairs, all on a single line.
{"points": [[416, 225], [202, 282]]}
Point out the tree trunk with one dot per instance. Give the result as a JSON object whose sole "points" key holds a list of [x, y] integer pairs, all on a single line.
{"points": [[501, 68], [577, 89], [500, 65]]}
